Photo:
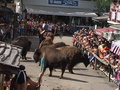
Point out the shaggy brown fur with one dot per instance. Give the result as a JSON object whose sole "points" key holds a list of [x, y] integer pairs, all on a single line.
{"points": [[23, 42], [70, 51], [75, 56], [47, 41], [49, 34], [54, 58]]}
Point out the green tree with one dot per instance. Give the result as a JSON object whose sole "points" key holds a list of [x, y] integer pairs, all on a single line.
{"points": [[102, 6]]}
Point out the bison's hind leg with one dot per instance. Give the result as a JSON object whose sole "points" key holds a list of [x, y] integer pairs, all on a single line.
{"points": [[51, 69], [70, 68], [24, 58], [63, 70]]}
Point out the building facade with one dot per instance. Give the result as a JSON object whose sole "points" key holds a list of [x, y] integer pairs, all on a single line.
{"points": [[76, 11], [114, 18], [114, 15], [61, 7]]}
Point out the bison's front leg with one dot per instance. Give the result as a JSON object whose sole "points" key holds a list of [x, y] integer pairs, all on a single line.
{"points": [[63, 70], [51, 69], [25, 57], [70, 68]]}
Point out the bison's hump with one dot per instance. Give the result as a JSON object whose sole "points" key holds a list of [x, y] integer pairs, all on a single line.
{"points": [[71, 51]]}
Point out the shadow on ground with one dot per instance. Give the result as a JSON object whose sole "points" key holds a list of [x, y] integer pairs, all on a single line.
{"points": [[29, 60], [88, 75], [68, 78]]}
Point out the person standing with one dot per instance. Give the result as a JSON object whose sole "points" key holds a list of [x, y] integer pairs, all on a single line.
{"points": [[42, 67], [19, 81], [41, 35]]}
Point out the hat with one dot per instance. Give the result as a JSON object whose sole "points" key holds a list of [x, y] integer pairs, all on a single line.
{"points": [[22, 67]]}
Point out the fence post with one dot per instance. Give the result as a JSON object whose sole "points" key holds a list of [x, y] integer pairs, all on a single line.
{"points": [[1, 82], [95, 64]]}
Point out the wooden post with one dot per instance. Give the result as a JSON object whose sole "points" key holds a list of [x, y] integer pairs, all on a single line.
{"points": [[1, 82], [95, 64]]}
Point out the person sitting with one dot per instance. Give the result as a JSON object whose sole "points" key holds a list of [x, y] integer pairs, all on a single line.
{"points": [[118, 78], [117, 70], [103, 49], [94, 50], [22, 82]]}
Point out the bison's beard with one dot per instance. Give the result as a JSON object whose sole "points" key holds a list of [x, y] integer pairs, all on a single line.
{"points": [[36, 55], [36, 58], [86, 60]]}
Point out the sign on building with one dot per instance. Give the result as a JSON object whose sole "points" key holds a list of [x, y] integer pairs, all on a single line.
{"points": [[63, 2]]}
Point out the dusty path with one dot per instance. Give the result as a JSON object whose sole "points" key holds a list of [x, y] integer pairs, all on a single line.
{"points": [[84, 79]]}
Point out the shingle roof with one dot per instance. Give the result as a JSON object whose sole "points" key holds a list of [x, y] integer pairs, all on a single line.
{"points": [[9, 58]]}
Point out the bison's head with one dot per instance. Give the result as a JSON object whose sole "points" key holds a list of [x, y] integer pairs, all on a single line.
{"points": [[36, 55], [86, 60]]}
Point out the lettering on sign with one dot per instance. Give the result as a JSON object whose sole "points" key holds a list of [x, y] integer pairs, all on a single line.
{"points": [[63, 2]]}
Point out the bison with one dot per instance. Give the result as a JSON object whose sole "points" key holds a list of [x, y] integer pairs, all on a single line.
{"points": [[23, 42], [74, 56], [54, 59]]}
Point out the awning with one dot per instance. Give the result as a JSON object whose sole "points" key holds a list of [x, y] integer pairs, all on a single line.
{"points": [[108, 33], [101, 31], [105, 30], [115, 26], [101, 18], [112, 22], [61, 11]]}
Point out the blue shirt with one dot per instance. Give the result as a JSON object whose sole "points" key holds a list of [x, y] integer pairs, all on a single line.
{"points": [[42, 66]]}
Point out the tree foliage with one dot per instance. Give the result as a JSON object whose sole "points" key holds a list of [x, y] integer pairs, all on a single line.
{"points": [[104, 5]]}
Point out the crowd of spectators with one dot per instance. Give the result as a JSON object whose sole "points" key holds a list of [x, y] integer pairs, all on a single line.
{"points": [[31, 25], [96, 45]]}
